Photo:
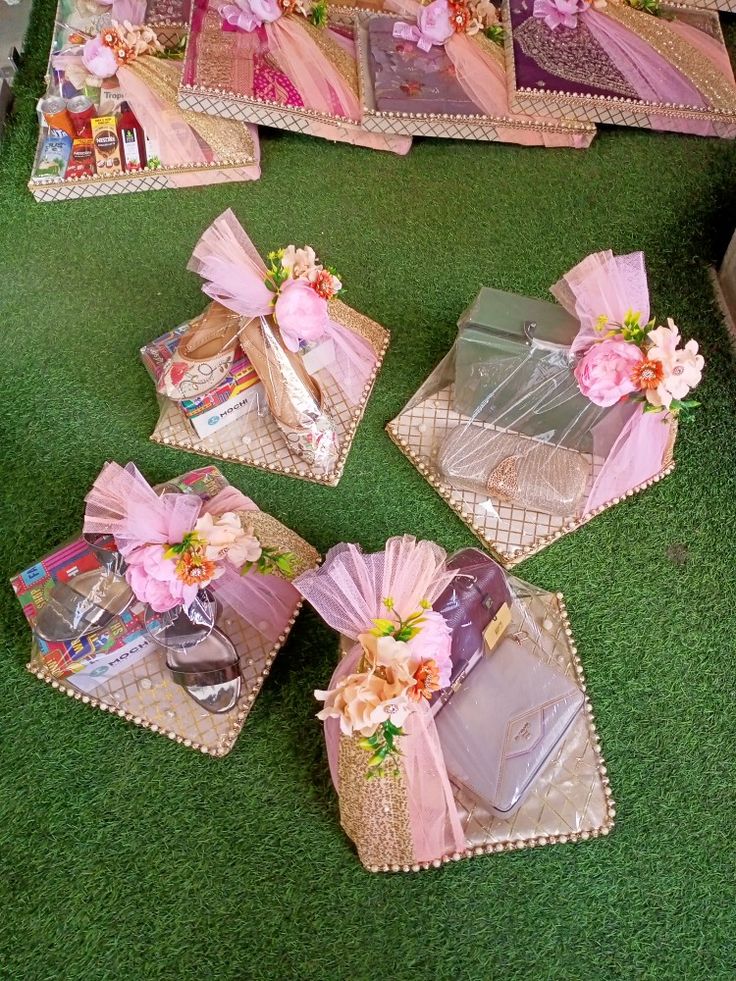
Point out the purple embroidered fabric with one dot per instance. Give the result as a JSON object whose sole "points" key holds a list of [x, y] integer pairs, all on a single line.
{"points": [[406, 79]]}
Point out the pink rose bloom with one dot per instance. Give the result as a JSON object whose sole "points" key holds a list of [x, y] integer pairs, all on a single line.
{"points": [[249, 15], [98, 59], [152, 577], [558, 13], [301, 313], [434, 22], [605, 372]]}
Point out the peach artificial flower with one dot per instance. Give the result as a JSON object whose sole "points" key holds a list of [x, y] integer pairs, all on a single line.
{"points": [[193, 569], [225, 538], [363, 702], [682, 367], [426, 681]]}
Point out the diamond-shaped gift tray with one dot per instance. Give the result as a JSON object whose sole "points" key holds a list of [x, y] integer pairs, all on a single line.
{"points": [[570, 800], [510, 531], [256, 439], [143, 691]]}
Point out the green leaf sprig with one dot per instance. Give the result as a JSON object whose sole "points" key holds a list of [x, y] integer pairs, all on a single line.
{"points": [[383, 749]]}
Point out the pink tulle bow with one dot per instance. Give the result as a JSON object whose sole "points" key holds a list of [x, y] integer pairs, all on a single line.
{"points": [[410, 32], [122, 503], [132, 11], [631, 443], [234, 275], [348, 592]]}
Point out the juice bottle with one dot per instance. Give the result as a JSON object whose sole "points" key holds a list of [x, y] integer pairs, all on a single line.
{"points": [[132, 140]]}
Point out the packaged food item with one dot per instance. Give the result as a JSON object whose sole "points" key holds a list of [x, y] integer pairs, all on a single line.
{"points": [[81, 112], [56, 115], [54, 156], [82, 159], [132, 140], [106, 145]]}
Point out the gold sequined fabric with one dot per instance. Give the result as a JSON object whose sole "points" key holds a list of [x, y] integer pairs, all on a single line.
{"points": [[363, 326], [712, 83], [273, 534], [374, 813], [336, 55], [493, 50], [228, 140]]}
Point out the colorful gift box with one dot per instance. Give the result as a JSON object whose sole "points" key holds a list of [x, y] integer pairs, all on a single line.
{"points": [[416, 92], [232, 399], [180, 153], [618, 63], [268, 73], [121, 670]]}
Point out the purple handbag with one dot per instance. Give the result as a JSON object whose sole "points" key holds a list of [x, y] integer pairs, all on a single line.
{"points": [[471, 601]]}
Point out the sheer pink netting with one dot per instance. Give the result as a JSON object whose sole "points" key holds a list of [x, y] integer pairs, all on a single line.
{"points": [[162, 121], [134, 11], [122, 503], [234, 275], [319, 83], [631, 442], [484, 82], [348, 592]]}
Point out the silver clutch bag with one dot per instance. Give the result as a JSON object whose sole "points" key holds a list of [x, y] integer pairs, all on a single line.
{"points": [[535, 475]]}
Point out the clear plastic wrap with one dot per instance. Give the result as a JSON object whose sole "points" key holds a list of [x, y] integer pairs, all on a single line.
{"points": [[110, 628], [273, 373], [504, 432], [455, 721]]}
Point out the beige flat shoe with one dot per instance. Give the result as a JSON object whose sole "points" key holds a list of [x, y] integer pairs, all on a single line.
{"points": [[294, 397], [204, 356]]}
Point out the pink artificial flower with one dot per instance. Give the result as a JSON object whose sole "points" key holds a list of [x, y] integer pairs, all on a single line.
{"points": [[433, 643], [249, 15], [301, 313], [153, 579], [98, 59], [434, 22], [682, 368], [559, 13], [605, 372], [362, 702]]}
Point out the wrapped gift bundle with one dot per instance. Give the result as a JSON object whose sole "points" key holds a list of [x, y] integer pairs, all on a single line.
{"points": [[277, 371], [542, 416], [438, 70], [456, 722], [290, 66], [109, 121], [170, 608], [658, 66]]}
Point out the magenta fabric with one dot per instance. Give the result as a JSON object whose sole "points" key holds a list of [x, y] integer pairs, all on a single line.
{"points": [[348, 592]]}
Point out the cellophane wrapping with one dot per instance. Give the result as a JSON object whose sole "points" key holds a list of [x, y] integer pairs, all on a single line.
{"points": [[502, 430], [485, 760]]}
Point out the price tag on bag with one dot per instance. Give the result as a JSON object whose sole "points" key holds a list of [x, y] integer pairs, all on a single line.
{"points": [[497, 627]]}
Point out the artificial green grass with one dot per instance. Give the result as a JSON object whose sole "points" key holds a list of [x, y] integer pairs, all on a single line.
{"points": [[126, 856]]}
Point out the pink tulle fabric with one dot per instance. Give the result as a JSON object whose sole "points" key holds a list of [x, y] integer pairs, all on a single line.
{"points": [[320, 84], [234, 276], [652, 76], [164, 123], [132, 11], [348, 593], [122, 503], [484, 82], [631, 442]]}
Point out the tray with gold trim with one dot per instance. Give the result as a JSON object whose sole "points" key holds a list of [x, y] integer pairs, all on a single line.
{"points": [[687, 84]]}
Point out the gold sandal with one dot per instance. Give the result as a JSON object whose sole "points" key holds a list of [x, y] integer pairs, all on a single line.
{"points": [[204, 356]]}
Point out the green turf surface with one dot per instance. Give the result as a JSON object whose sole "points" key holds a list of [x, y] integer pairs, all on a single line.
{"points": [[125, 856]]}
